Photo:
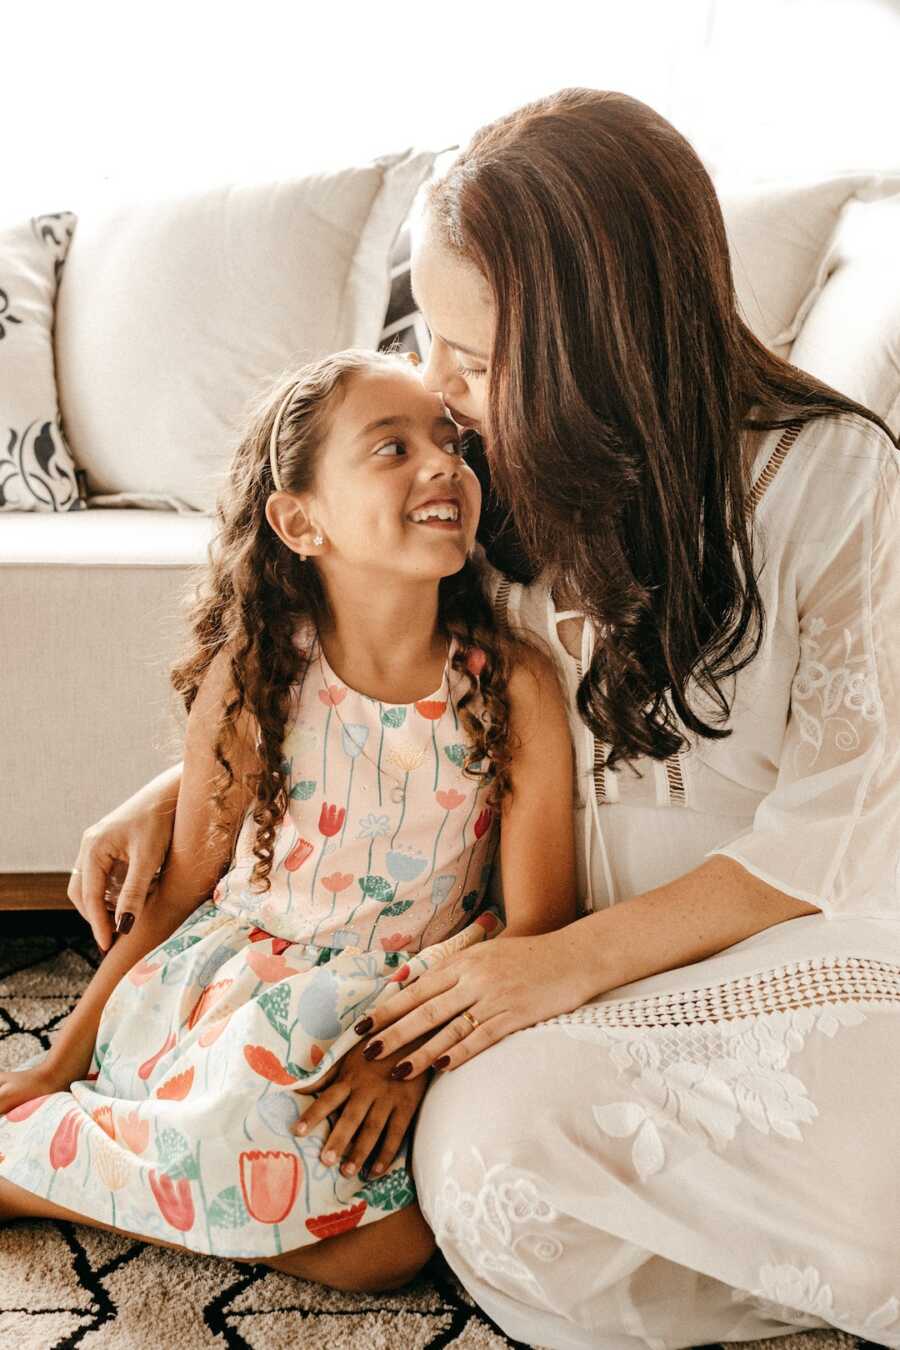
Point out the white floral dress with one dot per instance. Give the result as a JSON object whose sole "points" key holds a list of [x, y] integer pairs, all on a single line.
{"points": [[208, 1048], [711, 1154]]}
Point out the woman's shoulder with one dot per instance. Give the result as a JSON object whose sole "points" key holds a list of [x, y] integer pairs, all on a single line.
{"points": [[516, 604], [846, 443], [808, 478]]}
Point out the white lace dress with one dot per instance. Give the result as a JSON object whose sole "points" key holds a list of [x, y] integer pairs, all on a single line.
{"points": [[711, 1154]]}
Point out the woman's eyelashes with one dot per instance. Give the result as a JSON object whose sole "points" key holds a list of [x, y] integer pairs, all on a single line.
{"points": [[470, 371]]}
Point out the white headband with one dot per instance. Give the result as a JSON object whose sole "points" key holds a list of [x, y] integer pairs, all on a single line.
{"points": [[273, 439]]}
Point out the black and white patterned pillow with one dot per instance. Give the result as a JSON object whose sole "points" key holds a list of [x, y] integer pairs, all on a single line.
{"points": [[37, 471]]}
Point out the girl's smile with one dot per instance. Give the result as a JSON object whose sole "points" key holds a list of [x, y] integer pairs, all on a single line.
{"points": [[439, 513]]}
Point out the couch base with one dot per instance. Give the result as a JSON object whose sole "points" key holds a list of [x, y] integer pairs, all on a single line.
{"points": [[34, 890], [92, 617]]}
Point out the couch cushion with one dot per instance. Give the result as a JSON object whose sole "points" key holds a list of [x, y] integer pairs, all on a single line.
{"points": [[37, 472], [173, 314], [117, 539], [781, 236], [851, 337]]}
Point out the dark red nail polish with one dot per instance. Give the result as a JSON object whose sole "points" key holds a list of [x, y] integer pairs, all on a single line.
{"points": [[362, 1027], [372, 1050], [126, 923], [442, 1062], [402, 1070]]}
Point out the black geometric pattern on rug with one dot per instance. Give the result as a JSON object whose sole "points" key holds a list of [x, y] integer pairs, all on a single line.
{"points": [[40, 979]]}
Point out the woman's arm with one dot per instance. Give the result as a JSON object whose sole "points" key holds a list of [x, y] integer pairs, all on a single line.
{"points": [[512, 985], [120, 855], [695, 916], [537, 836], [194, 863]]}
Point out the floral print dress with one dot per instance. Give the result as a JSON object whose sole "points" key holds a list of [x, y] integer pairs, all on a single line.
{"points": [[209, 1049]]}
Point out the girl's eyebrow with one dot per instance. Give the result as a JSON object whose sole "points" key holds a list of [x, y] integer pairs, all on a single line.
{"points": [[400, 420]]}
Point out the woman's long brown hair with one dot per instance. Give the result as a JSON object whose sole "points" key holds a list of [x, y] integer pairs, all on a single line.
{"points": [[255, 595], [621, 379]]}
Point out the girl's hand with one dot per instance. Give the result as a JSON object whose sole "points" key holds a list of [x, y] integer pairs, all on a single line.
{"points": [[24, 1085], [117, 863], [507, 983], [371, 1105]]}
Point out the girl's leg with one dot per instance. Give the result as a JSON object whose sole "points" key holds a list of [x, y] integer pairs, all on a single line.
{"points": [[15, 1203], [382, 1256]]}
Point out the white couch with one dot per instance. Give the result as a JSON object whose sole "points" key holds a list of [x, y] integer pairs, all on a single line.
{"points": [[90, 601]]}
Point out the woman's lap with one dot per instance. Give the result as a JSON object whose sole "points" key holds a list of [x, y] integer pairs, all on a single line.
{"points": [[608, 1180]]}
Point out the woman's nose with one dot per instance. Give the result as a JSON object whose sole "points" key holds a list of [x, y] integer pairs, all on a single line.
{"points": [[439, 373]]}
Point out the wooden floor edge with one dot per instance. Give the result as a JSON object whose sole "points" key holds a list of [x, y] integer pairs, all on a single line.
{"points": [[34, 890]]}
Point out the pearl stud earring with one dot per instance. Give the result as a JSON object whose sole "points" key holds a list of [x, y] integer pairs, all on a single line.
{"points": [[318, 541]]}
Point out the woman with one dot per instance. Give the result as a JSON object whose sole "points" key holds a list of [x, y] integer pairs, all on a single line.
{"points": [[684, 1132]]}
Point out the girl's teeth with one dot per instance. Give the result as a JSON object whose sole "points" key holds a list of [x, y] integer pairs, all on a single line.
{"points": [[441, 513]]}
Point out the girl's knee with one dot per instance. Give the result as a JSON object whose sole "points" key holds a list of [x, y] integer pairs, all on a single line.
{"points": [[375, 1259]]}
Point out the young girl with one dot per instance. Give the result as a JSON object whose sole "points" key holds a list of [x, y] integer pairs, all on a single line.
{"points": [[361, 724]]}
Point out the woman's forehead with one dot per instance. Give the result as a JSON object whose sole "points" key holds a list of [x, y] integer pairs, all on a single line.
{"points": [[450, 291]]}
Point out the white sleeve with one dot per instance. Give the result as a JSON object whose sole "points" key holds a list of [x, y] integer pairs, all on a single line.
{"points": [[829, 831]]}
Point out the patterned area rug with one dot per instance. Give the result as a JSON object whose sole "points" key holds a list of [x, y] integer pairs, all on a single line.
{"points": [[65, 1285]]}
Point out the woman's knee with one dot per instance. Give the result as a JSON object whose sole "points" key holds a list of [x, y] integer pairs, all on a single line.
{"points": [[375, 1259], [447, 1128]]}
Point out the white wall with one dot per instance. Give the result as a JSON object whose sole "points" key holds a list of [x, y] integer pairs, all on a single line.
{"points": [[107, 99]]}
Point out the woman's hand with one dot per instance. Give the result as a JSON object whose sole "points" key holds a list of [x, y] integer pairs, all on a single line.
{"points": [[27, 1084], [119, 858], [506, 984], [371, 1104]]}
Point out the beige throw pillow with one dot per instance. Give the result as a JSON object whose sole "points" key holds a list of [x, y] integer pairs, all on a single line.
{"points": [[37, 472], [851, 337], [781, 236], [174, 313]]}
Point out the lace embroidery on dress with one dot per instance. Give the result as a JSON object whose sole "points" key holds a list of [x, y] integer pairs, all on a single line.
{"points": [[785, 1289], [801, 984], [493, 1223], [675, 780], [850, 686], [775, 461], [501, 604], [714, 1059], [709, 1080]]}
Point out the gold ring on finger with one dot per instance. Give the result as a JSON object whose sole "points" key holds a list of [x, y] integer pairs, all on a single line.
{"points": [[470, 1017]]}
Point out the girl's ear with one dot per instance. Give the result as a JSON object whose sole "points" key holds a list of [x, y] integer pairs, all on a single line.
{"points": [[288, 515]]}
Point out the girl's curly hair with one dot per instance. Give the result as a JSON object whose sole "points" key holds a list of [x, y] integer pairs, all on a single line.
{"points": [[254, 593]]}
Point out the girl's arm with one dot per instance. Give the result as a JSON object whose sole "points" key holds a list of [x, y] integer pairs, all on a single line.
{"points": [[537, 832], [194, 863]]}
